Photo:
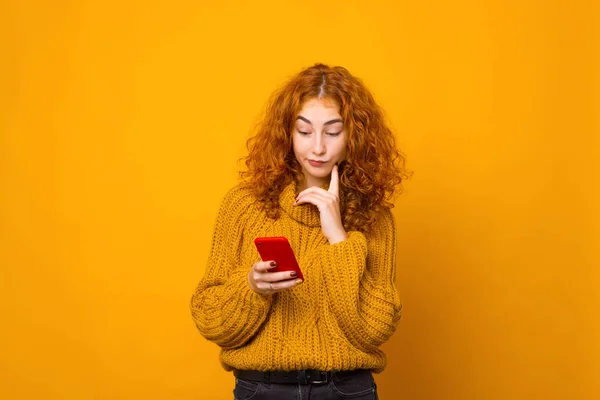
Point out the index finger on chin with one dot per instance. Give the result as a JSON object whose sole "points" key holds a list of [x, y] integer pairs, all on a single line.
{"points": [[334, 184]]}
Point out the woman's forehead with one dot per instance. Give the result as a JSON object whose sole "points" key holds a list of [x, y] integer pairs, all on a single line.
{"points": [[320, 106]]}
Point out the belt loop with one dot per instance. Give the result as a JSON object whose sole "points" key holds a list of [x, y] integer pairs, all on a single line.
{"points": [[302, 377], [267, 377]]}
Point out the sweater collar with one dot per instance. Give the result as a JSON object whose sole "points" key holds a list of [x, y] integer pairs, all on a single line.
{"points": [[307, 214]]}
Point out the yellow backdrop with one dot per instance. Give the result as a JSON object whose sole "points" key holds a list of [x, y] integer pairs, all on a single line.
{"points": [[121, 124]]}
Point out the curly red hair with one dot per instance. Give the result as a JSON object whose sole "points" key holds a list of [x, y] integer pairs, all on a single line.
{"points": [[373, 169]]}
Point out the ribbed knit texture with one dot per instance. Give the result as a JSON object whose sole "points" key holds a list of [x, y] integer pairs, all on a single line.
{"points": [[336, 320]]}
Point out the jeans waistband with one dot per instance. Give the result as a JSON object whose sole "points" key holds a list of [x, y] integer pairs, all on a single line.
{"points": [[302, 377]]}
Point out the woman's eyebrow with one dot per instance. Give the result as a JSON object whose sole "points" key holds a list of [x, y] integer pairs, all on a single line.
{"points": [[333, 121]]}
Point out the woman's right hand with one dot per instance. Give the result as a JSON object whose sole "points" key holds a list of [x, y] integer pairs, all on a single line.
{"points": [[265, 283]]}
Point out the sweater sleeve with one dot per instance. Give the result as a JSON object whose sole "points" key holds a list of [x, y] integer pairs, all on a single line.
{"points": [[224, 307], [359, 278]]}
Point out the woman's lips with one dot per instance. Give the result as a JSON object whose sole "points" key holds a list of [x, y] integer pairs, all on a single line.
{"points": [[316, 163]]}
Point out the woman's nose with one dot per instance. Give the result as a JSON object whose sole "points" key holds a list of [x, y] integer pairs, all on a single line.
{"points": [[318, 145]]}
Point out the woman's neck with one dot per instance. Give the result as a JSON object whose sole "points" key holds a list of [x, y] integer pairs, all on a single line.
{"points": [[305, 183]]}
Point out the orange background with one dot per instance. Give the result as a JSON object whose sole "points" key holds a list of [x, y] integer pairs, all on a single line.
{"points": [[121, 124]]}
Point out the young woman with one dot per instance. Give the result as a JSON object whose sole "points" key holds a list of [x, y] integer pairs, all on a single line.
{"points": [[321, 169]]}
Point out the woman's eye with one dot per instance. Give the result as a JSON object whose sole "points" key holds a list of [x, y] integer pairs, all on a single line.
{"points": [[333, 133], [303, 133]]}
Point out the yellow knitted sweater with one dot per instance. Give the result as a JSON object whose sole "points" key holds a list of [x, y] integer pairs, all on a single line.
{"points": [[346, 308]]}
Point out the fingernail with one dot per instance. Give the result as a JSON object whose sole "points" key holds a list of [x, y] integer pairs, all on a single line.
{"points": [[273, 263], [299, 281], [293, 274]]}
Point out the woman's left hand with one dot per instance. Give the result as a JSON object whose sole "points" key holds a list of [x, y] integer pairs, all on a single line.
{"points": [[328, 203]]}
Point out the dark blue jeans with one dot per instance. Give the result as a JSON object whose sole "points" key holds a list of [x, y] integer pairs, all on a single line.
{"points": [[360, 386]]}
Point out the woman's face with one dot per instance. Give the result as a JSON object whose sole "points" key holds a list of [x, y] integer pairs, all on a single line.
{"points": [[319, 139]]}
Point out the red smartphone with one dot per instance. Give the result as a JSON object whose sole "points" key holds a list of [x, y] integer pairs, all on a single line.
{"points": [[278, 249]]}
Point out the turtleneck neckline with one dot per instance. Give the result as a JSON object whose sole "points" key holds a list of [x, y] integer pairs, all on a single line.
{"points": [[307, 214]]}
